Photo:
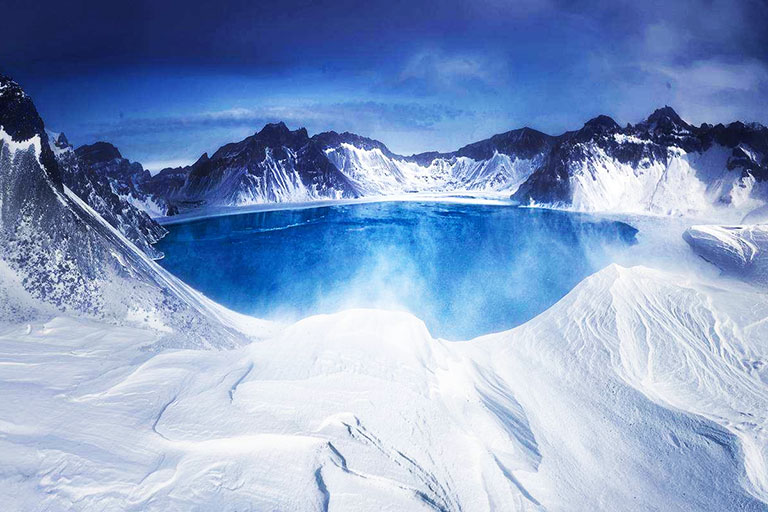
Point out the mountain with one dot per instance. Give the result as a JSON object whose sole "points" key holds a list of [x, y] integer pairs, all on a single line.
{"points": [[129, 180], [58, 254], [273, 165], [280, 165], [661, 165], [82, 171]]}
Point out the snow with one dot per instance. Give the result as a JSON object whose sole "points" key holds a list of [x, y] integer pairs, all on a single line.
{"points": [[686, 184], [23, 145], [168, 282], [583, 407], [640, 387], [375, 173], [645, 388], [737, 250], [147, 204], [622, 138]]}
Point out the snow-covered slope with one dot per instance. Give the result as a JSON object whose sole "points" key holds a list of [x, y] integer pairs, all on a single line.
{"points": [[59, 254], [128, 180], [273, 165], [638, 391], [741, 251], [279, 165], [100, 191], [662, 165]]}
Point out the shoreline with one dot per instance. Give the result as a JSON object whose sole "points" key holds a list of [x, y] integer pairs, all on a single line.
{"points": [[487, 198], [458, 197]]}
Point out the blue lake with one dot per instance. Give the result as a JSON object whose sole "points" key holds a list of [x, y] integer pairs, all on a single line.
{"points": [[464, 269]]}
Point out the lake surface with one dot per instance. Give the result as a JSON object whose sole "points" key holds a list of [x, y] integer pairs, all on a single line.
{"points": [[464, 269]]}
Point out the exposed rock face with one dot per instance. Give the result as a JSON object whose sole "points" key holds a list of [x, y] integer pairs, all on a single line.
{"points": [[57, 253], [273, 165], [661, 165], [129, 180], [83, 171], [279, 165]]}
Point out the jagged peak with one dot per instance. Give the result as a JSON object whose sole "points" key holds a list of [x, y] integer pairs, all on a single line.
{"points": [[331, 138], [526, 130], [203, 159], [751, 126], [20, 120], [9, 88], [278, 127], [278, 132], [98, 152], [665, 118], [665, 112], [61, 141], [602, 124]]}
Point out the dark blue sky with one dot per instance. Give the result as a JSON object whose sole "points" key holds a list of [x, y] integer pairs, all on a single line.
{"points": [[168, 80]]}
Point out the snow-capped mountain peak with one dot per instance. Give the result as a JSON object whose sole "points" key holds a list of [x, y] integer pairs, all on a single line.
{"points": [[665, 120], [59, 253], [599, 125], [98, 152]]}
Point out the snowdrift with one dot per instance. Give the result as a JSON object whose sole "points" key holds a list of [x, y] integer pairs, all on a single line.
{"points": [[740, 251], [638, 390]]}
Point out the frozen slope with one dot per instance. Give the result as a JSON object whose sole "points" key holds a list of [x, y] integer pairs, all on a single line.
{"points": [[639, 390], [662, 165], [741, 251], [374, 172], [60, 255]]}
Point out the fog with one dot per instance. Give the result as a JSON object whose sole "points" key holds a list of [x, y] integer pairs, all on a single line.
{"points": [[464, 269]]}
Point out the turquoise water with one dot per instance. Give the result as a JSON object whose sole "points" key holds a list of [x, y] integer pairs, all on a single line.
{"points": [[464, 269]]}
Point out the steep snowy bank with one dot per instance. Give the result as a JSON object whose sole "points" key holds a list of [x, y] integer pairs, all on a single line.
{"points": [[741, 251], [639, 390], [63, 255]]}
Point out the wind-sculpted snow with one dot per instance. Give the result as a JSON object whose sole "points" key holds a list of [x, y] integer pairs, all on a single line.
{"points": [[637, 391], [741, 251]]}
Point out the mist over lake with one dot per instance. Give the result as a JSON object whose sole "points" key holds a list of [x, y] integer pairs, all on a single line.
{"points": [[465, 269]]}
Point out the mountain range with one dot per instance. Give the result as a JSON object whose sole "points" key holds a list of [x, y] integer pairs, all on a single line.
{"points": [[661, 165]]}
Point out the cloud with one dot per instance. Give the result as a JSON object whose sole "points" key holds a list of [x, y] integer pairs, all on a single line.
{"points": [[708, 77], [366, 116], [715, 90], [434, 72]]}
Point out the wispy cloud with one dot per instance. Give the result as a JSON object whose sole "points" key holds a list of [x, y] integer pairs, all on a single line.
{"points": [[715, 90], [366, 116], [436, 72]]}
